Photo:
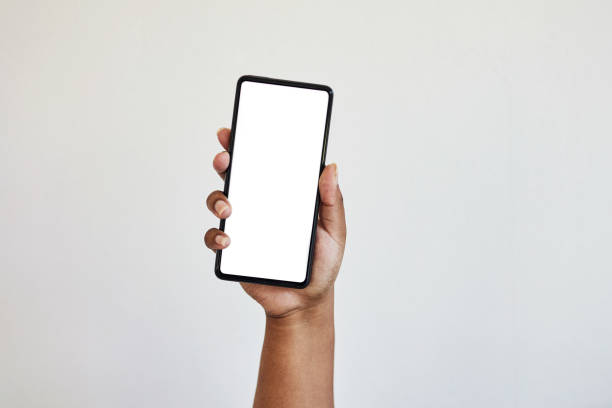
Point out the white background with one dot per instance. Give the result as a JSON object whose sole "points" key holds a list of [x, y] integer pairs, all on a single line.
{"points": [[473, 141], [277, 152]]}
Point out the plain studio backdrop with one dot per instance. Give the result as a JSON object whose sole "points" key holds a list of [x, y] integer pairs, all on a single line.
{"points": [[474, 144]]}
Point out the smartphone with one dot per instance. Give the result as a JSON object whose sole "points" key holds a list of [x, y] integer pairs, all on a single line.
{"points": [[277, 152]]}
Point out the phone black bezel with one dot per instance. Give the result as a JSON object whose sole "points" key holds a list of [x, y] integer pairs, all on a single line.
{"points": [[282, 82]]}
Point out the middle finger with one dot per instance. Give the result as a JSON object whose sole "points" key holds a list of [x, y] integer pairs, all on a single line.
{"points": [[221, 163], [219, 205]]}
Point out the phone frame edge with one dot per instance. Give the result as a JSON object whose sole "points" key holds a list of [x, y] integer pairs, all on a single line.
{"points": [[283, 82]]}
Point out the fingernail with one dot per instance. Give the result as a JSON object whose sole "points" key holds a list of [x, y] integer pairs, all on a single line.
{"points": [[220, 129], [221, 208], [222, 240]]}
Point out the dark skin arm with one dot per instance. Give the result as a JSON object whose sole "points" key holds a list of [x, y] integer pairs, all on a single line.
{"points": [[297, 358]]}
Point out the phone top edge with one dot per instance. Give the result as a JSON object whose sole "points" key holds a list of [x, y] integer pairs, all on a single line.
{"points": [[284, 82]]}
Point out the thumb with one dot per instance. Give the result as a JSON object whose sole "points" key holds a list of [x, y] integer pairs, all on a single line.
{"points": [[331, 210]]}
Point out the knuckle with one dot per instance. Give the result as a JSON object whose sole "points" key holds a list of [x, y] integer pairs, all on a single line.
{"points": [[214, 196], [208, 237]]}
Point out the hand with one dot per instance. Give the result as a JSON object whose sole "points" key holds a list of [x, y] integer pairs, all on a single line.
{"points": [[329, 245]]}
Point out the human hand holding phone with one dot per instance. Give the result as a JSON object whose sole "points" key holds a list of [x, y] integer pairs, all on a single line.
{"points": [[289, 230], [329, 245]]}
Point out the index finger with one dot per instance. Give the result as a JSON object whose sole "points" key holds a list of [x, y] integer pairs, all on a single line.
{"points": [[223, 134]]}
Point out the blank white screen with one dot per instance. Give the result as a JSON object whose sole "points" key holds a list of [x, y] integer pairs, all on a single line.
{"points": [[274, 178]]}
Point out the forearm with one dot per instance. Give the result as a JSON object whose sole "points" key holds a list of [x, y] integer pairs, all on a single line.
{"points": [[297, 359]]}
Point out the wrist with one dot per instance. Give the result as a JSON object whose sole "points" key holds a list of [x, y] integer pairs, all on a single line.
{"points": [[314, 314]]}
